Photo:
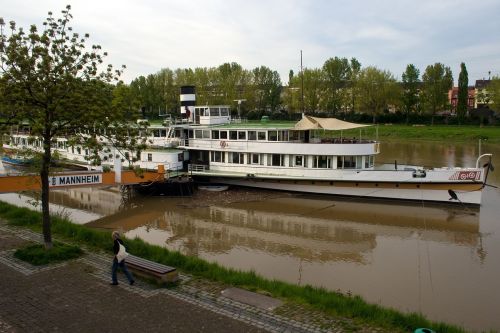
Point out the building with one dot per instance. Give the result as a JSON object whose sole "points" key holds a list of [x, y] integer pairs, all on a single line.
{"points": [[482, 96], [453, 99]]}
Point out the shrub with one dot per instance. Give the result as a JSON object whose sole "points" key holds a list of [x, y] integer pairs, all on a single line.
{"points": [[38, 255]]}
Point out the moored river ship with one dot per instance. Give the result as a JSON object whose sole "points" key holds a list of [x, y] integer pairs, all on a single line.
{"points": [[310, 156], [302, 158]]}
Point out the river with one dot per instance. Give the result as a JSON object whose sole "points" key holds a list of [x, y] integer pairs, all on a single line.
{"points": [[440, 261]]}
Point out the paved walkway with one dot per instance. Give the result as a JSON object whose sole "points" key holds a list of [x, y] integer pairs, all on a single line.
{"points": [[76, 296]]}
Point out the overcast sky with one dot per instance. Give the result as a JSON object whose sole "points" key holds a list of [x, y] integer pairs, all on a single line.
{"points": [[148, 35]]}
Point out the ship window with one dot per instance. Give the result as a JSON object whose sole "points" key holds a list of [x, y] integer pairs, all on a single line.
{"points": [[277, 159], [252, 135], [150, 157], [190, 134], [224, 112], [218, 156], [206, 134], [368, 161], [237, 158], [223, 135], [198, 134], [273, 135], [214, 112], [359, 162], [261, 136], [215, 134], [242, 135], [299, 160], [255, 159], [233, 135], [322, 162], [282, 135], [349, 162]]}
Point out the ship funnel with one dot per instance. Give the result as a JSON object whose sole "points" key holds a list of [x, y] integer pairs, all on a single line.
{"points": [[188, 100]]}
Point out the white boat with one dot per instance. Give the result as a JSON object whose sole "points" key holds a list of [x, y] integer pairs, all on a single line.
{"points": [[298, 157], [285, 156]]}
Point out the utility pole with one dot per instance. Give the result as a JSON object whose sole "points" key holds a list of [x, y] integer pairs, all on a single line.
{"points": [[302, 81]]}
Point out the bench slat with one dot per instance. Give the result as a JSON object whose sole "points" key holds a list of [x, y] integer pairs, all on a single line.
{"points": [[144, 264]]}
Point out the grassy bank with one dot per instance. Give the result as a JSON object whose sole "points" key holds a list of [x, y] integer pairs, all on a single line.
{"points": [[330, 302], [445, 133]]}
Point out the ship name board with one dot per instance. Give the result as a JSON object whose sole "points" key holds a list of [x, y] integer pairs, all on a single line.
{"points": [[69, 180]]}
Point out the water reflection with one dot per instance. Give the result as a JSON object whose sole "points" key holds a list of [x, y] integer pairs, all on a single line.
{"points": [[314, 229]]}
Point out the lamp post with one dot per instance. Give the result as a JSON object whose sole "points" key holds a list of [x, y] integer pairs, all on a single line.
{"points": [[239, 105]]}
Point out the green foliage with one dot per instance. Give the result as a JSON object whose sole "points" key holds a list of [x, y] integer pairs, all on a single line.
{"points": [[38, 255], [337, 74], [463, 90], [410, 97], [437, 81], [376, 89], [494, 93], [334, 303]]}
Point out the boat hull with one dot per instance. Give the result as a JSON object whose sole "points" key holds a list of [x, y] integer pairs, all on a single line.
{"points": [[467, 193]]}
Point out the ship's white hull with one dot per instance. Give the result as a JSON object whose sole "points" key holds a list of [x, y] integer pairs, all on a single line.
{"points": [[469, 193]]}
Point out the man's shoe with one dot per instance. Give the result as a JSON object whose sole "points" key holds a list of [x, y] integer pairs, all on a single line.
{"points": [[114, 283], [132, 282]]}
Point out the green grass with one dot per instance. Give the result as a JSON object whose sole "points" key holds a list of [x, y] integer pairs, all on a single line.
{"points": [[37, 255], [449, 133], [330, 302]]}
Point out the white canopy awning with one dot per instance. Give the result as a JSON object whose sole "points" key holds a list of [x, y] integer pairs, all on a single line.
{"points": [[331, 124]]}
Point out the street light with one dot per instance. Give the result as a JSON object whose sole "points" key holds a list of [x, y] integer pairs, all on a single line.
{"points": [[239, 105]]}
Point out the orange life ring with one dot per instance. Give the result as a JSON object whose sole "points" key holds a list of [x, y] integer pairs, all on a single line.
{"points": [[223, 144]]}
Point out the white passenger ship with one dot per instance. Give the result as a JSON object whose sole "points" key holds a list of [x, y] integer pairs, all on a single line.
{"points": [[284, 156], [297, 158]]}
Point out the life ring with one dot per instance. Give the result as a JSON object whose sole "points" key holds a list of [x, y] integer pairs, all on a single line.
{"points": [[223, 144]]}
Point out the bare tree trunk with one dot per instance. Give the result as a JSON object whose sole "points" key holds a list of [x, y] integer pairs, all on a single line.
{"points": [[44, 177]]}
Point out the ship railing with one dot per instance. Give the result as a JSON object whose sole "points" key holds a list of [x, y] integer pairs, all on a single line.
{"points": [[198, 168]]}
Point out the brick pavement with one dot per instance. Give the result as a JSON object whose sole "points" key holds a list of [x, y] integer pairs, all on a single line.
{"points": [[76, 296]]}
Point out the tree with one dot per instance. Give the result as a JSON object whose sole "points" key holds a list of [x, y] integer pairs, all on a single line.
{"points": [[353, 77], [463, 90], [437, 81], [411, 83], [337, 72], [313, 89], [267, 85], [494, 93], [50, 80], [377, 89]]}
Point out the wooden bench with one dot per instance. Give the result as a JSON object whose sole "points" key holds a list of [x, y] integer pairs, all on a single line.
{"points": [[148, 268]]}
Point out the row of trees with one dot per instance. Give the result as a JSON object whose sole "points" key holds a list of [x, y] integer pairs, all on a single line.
{"points": [[340, 86]]}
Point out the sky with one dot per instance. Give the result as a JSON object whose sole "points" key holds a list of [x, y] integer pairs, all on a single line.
{"points": [[147, 35]]}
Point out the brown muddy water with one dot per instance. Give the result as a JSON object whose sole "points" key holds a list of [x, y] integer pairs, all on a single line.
{"points": [[441, 261]]}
